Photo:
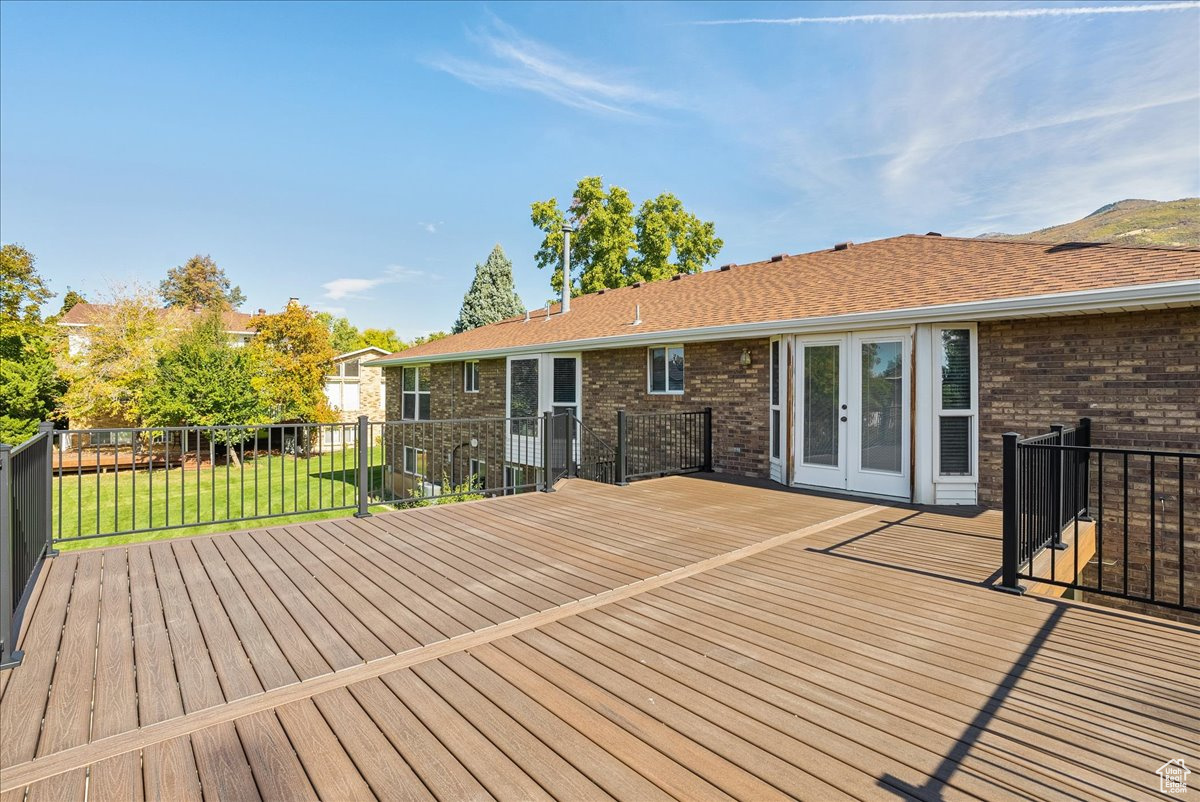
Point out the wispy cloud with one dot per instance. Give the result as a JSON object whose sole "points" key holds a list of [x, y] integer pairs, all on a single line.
{"points": [[519, 63], [349, 288], [431, 228], [937, 16]]}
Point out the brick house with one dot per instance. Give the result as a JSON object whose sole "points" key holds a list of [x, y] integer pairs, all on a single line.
{"points": [[888, 368], [354, 389]]}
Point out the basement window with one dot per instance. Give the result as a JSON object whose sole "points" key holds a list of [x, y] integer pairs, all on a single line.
{"points": [[666, 370]]}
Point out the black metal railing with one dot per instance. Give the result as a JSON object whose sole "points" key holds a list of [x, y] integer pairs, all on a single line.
{"points": [[1141, 505], [25, 532], [663, 443], [597, 458]]}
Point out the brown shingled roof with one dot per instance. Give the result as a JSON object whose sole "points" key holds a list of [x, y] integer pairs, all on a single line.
{"points": [[86, 314], [906, 272]]}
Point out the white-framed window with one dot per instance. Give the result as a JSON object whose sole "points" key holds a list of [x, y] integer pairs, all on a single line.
{"points": [[524, 390], [514, 478], [343, 396], [346, 370], [415, 389], [665, 369], [776, 412], [415, 461], [956, 401], [477, 471], [471, 377]]}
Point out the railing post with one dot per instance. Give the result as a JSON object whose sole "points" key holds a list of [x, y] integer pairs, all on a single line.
{"points": [[8, 658], [47, 429], [363, 441], [708, 443], [1083, 437], [1009, 552], [547, 451], [621, 458], [1056, 489]]}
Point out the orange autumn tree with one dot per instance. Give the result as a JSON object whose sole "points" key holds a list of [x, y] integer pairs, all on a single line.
{"points": [[294, 355]]}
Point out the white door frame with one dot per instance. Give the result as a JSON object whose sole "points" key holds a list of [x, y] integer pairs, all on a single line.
{"points": [[526, 449], [849, 475]]}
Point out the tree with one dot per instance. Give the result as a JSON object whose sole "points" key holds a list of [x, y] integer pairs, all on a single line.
{"points": [[491, 297], [382, 338], [343, 335], [29, 382], [615, 247], [70, 301], [205, 381], [430, 337], [107, 381], [199, 284], [295, 355]]}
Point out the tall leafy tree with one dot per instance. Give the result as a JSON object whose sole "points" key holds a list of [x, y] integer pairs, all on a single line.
{"points": [[205, 381], [382, 338], [295, 355], [492, 295], [107, 381], [200, 284], [29, 382], [70, 301], [616, 246], [343, 335]]}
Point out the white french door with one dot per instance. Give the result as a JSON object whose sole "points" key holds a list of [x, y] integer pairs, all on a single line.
{"points": [[852, 412], [535, 385]]}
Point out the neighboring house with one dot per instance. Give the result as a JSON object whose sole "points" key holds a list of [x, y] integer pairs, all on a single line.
{"points": [[889, 368], [83, 316], [355, 390]]}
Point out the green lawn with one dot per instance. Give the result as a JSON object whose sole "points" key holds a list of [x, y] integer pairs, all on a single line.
{"points": [[297, 489]]}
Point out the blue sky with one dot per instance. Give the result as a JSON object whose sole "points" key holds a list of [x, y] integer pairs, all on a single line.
{"points": [[365, 157]]}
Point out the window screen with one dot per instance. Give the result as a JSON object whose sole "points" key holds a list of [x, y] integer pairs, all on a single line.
{"points": [[956, 368], [955, 446], [564, 380], [523, 388]]}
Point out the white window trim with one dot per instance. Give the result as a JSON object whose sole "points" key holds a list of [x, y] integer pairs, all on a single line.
{"points": [[466, 388], [416, 452], [511, 485], [477, 467], [417, 392], [780, 403], [939, 413], [667, 370]]}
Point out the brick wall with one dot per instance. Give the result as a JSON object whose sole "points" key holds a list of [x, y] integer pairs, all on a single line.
{"points": [[713, 377], [616, 379], [1137, 376]]}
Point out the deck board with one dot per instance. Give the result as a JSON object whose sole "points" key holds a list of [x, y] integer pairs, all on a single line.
{"points": [[862, 657]]}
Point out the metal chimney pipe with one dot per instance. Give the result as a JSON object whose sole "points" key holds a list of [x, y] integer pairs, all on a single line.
{"points": [[566, 287]]}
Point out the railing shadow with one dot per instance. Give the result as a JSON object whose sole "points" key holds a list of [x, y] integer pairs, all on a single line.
{"points": [[932, 788]]}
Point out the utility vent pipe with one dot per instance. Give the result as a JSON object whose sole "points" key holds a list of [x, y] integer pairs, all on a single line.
{"points": [[637, 314], [566, 287]]}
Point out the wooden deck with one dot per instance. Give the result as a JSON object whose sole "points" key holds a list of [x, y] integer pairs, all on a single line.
{"points": [[680, 638]]}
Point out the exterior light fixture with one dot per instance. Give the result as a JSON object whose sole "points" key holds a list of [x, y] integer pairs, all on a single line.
{"points": [[745, 360]]}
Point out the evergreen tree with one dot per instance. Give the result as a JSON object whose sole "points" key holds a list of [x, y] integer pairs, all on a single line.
{"points": [[200, 284], [492, 296]]}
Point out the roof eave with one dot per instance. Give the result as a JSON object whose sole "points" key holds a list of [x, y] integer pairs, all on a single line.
{"points": [[1173, 293]]}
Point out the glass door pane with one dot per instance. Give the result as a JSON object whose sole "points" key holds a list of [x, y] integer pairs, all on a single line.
{"points": [[882, 406], [822, 391]]}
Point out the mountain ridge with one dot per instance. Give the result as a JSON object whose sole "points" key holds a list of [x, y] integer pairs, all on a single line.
{"points": [[1132, 221]]}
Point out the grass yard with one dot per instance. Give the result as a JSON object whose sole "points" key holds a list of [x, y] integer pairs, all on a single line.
{"points": [[293, 489]]}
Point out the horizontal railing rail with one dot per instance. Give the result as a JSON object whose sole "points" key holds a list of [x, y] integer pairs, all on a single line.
{"points": [[1130, 518], [25, 516]]}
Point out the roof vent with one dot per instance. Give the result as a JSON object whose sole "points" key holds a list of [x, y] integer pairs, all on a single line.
{"points": [[841, 246], [933, 234], [637, 314], [723, 268], [676, 277], [778, 257], [526, 315], [600, 291], [638, 283]]}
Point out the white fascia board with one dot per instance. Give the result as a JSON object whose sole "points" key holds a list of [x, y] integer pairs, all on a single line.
{"points": [[1173, 293]]}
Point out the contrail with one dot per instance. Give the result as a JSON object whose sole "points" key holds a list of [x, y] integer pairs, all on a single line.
{"points": [[1007, 13]]}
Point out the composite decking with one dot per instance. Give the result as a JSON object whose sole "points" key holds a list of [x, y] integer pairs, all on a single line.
{"points": [[679, 638]]}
